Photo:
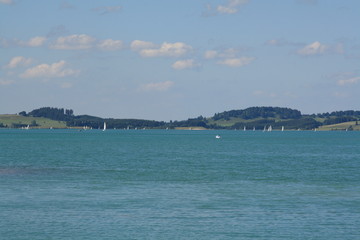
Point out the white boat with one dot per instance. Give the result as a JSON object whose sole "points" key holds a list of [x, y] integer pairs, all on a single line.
{"points": [[270, 129], [217, 136], [282, 128], [254, 129], [264, 128], [244, 128], [104, 126]]}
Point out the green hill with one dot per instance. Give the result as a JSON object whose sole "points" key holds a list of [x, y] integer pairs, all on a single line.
{"points": [[18, 121]]}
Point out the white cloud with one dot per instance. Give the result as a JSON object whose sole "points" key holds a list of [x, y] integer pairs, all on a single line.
{"points": [[7, 2], [210, 54], [110, 44], [315, 48], [137, 45], [183, 64], [275, 42], [226, 10], [19, 61], [74, 42], [165, 50], [236, 62], [36, 41], [32, 42], [160, 86], [348, 81], [282, 43], [55, 70], [231, 7], [226, 53]]}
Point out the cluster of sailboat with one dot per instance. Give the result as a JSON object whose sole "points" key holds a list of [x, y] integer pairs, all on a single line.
{"points": [[266, 129]]}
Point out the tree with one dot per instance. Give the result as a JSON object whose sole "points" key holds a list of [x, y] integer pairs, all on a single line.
{"points": [[23, 113]]}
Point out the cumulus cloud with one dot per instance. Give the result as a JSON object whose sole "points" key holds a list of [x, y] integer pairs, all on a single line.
{"points": [[348, 81], [73, 42], [110, 44], [55, 70], [160, 86], [165, 50], [226, 53], [282, 42], [315, 48], [18, 61], [36, 41], [236, 62], [107, 9], [137, 45], [32, 42], [229, 57], [83, 42], [184, 64], [231, 7], [211, 54]]}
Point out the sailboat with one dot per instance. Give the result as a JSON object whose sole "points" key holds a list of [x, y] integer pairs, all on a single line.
{"points": [[104, 126], [244, 128], [270, 129], [282, 128]]}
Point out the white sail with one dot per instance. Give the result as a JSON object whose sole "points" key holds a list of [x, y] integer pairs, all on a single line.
{"points": [[104, 126], [244, 128], [282, 128], [270, 129]]}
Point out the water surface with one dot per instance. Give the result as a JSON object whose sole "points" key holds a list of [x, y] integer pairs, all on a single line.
{"points": [[157, 184]]}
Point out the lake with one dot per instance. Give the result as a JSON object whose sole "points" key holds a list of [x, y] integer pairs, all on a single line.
{"points": [[159, 184]]}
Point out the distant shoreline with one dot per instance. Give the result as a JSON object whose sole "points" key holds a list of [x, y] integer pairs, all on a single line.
{"points": [[275, 118]]}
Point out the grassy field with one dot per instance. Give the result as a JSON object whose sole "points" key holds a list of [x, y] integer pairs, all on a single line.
{"points": [[340, 126], [8, 120], [232, 121]]}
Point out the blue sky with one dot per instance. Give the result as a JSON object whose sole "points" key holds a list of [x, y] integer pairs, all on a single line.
{"points": [[172, 60]]}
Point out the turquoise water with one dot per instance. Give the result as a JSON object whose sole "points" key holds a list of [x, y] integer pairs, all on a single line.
{"points": [[157, 184]]}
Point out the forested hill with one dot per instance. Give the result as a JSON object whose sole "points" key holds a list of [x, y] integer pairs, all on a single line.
{"points": [[259, 112], [277, 117], [253, 117]]}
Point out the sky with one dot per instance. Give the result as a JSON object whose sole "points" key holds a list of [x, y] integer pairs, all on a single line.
{"points": [[174, 60]]}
